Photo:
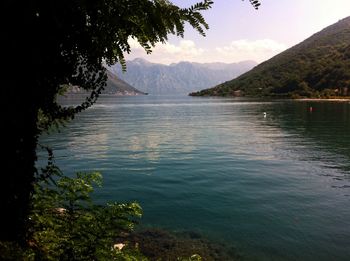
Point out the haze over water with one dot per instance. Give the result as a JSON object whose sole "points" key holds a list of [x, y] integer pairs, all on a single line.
{"points": [[274, 187]]}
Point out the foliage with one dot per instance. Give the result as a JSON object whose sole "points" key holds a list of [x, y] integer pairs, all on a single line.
{"points": [[63, 43], [87, 34], [255, 3], [317, 67], [51, 45], [73, 39], [66, 225]]}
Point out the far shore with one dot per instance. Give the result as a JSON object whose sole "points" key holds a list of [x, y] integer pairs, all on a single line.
{"points": [[324, 99]]}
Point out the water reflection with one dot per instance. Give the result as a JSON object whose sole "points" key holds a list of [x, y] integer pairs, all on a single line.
{"points": [[94, 145], [321, 136]]}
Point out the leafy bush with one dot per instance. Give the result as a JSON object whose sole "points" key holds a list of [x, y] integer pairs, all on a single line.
{"points": [[64, 223]]}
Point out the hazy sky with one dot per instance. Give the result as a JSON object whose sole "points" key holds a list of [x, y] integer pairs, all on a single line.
{"points": [[239, 32]]}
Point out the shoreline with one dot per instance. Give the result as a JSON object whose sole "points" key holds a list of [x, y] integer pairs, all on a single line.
{"points": [[324, 99], [161, 244]]}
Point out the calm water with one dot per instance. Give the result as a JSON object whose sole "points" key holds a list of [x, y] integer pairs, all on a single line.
{"points": [[276, 188]]}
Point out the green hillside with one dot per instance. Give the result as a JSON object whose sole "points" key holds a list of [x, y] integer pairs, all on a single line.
{"points": [[119, 87], [114, 86], [317, 67]]}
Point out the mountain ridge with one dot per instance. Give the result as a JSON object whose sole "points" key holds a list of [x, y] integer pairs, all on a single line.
{"points": [[319, 66], [178, 78]]}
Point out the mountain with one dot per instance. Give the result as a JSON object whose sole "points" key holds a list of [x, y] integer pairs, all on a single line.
{"points": [[114, 86], [316, 67], [178, 78], [119, 87]]}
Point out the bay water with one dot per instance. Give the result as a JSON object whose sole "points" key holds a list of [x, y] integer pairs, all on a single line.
{"points": [[275, 187]]}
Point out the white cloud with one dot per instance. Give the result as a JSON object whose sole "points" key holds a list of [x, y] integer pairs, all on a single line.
{"points": [[187, 50], [258, 50], [167, 53]]}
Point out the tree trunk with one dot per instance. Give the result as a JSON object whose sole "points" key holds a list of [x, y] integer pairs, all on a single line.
{"points": [[20, 136], [19, 100]]}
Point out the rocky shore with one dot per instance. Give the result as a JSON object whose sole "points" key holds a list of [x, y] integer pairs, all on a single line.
{"points": [[159, 244]]}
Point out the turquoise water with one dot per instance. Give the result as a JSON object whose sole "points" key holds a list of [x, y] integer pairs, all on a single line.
{"points": [[274, 187]]}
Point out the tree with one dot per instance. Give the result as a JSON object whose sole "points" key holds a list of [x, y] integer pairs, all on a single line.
{"points": [[50, 44], [60, 43]]}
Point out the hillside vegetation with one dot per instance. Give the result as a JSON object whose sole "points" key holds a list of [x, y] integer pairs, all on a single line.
{"points": [[317, 67], [114, 86]]}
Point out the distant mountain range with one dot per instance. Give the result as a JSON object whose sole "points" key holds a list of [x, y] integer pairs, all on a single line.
{"points": [[178, 78], [115, 86], [316, 67]]}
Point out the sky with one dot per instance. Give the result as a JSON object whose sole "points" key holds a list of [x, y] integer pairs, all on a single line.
{"points": [[238, 32]]}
